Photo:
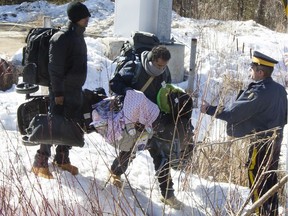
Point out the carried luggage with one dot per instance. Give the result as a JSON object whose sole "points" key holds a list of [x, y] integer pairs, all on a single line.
{"points": [[36, 56], [56, 129], [38, 127]]}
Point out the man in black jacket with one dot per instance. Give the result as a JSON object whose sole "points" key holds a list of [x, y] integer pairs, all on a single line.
{"points": [[68, 70], [261, 110], [152, 72]]}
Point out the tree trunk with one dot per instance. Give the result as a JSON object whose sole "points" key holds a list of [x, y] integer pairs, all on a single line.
{"points": [[260, 12]]}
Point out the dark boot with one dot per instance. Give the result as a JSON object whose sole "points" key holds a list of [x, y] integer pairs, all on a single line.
{"points": [[62, 155], [62, 160], [40, 166]]}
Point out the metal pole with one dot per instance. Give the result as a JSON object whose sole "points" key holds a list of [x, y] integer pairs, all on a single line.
{"points": [[191, 78]]}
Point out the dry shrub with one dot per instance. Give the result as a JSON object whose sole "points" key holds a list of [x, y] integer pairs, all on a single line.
{"points": [[222, 162]]}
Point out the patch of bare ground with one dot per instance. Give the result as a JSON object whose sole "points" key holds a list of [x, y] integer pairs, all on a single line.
{"points": [[12, 38]]}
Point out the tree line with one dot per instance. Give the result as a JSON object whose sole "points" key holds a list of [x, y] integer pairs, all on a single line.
{"points": [[269, 13]]}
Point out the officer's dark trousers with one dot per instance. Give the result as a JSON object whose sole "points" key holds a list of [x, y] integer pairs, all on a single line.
{"points": [[161, 165], [263, 162]]}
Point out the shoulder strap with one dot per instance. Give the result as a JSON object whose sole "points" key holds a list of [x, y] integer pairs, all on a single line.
{"points": [[147, 84], [138, 68]]}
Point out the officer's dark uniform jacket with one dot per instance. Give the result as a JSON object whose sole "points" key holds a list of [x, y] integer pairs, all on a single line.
{"points": [[261, 107], [68, 59]]}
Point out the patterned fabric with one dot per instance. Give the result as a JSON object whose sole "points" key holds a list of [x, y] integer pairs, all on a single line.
{"points": [[136, 108]]}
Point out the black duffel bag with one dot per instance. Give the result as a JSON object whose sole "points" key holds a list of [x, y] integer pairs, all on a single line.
{"points": [[56, 129]]}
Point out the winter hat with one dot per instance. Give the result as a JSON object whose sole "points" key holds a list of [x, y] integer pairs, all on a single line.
{"points": [[77, 11], [261, 59]]}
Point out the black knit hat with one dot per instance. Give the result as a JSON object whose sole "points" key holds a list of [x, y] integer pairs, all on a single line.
{"points": [[77, 11]]}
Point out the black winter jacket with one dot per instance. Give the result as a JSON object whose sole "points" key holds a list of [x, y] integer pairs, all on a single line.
{"points": [[67, 59], [131, 78]]}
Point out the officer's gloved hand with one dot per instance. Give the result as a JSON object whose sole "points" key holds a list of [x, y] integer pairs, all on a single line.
{"points": [[58, 110]]}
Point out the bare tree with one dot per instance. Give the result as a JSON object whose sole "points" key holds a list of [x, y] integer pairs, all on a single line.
{"points": [[260, 12]]}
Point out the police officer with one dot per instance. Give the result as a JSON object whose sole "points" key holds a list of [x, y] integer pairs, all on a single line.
{"points": [[261, 107]]}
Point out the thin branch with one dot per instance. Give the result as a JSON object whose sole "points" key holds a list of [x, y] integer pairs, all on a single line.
{"points": [[266, 196]]}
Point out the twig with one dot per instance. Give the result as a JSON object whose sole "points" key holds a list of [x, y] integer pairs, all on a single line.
{"points": [[237, 139], [266, 196]]}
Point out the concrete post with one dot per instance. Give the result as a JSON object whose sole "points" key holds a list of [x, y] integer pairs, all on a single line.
{"points": [[164, 21], [191, 77]]}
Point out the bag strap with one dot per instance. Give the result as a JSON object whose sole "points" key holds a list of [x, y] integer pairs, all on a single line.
{"points": [[147, 84]]}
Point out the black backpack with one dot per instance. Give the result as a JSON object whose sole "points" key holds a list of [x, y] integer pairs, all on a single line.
{"points": [[36, 56], [130, 52]]}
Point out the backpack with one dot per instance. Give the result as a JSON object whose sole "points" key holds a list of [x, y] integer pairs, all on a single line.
{"points": [[130, 52], [36, 56]]}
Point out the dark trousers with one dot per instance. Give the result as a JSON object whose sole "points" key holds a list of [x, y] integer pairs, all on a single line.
{"points": [[263, 162], [73, 100], [161, 166]]}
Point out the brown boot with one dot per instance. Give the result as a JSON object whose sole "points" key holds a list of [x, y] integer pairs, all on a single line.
{"points": [[42, 172], [173, 202], [116, 180], [67, 167]]}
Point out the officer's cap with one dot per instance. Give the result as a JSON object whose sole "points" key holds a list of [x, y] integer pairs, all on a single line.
{"points": [[261, 59]]}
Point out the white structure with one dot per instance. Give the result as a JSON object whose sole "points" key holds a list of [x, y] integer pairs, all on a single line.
{"points": [[152, 16]]}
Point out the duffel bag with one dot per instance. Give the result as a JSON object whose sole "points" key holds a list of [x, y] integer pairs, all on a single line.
{"points": [[56, 129]]}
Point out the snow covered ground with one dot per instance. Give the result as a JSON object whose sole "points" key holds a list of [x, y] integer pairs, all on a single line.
{"points": [[223, 54]]}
